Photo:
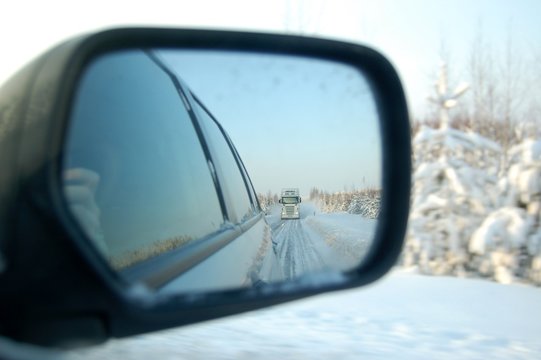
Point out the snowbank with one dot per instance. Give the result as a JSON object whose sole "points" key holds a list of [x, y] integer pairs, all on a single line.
{"points": [[404, 316]]}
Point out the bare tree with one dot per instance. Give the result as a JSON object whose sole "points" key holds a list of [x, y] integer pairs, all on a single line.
{"points": [[481, 72], [502, 99], [303, 16]]}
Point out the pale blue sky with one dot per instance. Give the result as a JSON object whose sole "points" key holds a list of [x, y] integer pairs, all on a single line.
{"points": [[410, 32], [296, 122]]}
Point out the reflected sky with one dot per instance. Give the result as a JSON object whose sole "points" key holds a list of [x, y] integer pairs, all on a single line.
{"points": [[296, 122]]}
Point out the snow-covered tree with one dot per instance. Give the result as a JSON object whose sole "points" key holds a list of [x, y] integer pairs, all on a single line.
{"points": [[508, 243], [455, 183], [455, 186], [267, 201], [366, 204]]}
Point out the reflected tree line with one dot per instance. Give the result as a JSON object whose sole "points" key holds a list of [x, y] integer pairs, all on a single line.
{"points": [[364, 202]]}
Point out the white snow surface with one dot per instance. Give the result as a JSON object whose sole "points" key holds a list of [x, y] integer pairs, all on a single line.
{"points": [[403, 316], [349, 234], [319, 241]]}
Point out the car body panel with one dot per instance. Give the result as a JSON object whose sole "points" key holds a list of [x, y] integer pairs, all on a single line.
{"points": [[225, 269]]}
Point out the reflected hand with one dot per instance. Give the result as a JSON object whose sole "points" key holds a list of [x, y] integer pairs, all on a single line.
{"points": [[80, 187]]}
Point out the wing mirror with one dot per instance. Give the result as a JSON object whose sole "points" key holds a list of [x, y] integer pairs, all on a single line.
{"points": [[144, 171]]}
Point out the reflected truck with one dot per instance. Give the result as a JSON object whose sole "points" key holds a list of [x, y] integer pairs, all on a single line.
{"points": [[290, 201]]}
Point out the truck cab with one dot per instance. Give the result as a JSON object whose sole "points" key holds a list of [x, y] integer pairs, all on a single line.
{"points": [[290, 201]]}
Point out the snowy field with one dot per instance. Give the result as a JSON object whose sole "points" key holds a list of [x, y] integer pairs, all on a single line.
{"points": [[404, 316]]}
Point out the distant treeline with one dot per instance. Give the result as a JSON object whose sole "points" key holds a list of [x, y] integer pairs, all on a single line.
{"points": [[365, 202], [267, 200]]}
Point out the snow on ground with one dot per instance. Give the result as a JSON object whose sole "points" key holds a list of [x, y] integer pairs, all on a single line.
{"points": [[404, 316], [349, 234], [298, 253], [318, 241]]}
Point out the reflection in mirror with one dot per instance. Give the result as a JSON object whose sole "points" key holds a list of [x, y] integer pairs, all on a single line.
{"points": [[203, 170]]}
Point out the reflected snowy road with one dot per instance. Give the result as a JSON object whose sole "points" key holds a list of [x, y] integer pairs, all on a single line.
{"points": [[296, 251], [319, 242]]}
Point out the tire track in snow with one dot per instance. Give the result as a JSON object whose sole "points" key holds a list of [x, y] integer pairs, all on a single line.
{"points": [[296, 250]]}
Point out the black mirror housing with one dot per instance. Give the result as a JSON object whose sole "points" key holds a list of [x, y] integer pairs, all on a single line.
{"points": [[55, 289]]}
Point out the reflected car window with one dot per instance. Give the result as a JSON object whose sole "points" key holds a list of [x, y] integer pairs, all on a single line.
{"points": [[152, 190], [239, 200]]}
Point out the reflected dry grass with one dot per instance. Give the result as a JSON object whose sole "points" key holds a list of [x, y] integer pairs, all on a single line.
{"points": [[133, 257]]}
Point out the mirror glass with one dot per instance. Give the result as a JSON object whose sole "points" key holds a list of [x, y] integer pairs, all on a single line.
{"points": [[195, 170]]}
